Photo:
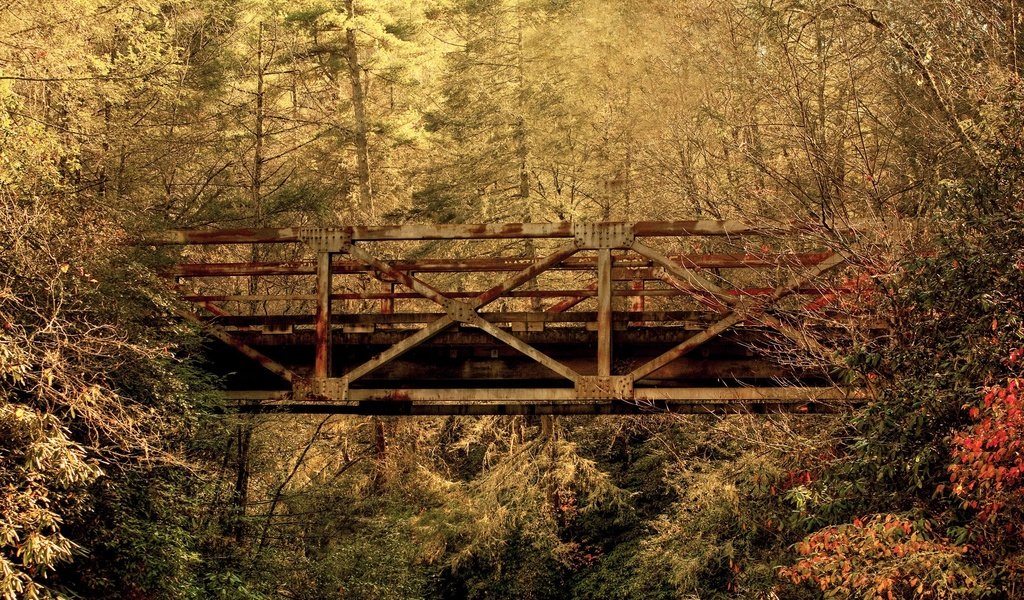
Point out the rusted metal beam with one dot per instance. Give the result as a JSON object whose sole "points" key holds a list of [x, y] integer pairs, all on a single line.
{"points": [[737, 394], [401, 347], [637, 287], [604, 312], [679, 290], [691, 343], [387, 303], [459, 401], [471, 370], [697, 281], [589, 408], [705, 299], [528, 350], [469, 265], [568, 303], [563, 340], [528, 273], [801, 337], [494, 317], [636, 300], [248, 351], [214, 310], [403, 318], [322, 322], [697, 227], [740, 312], [420, 287]]}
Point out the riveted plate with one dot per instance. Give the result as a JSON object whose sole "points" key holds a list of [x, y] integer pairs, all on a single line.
{"points": [[332, 389], [326, 239], [461, 312], [594, 236], [615, 387]]}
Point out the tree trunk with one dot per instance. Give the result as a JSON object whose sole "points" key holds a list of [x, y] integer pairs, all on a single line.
{"points": [[380, 443], [359, 113], [240, 497]]}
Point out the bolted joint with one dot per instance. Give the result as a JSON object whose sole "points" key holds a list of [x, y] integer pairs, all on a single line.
{"points": [[614, 387], [462, 312], [326, 239], [329, 389], [596, 236]]}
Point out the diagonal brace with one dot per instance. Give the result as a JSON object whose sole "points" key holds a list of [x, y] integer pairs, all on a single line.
{"points": [[525, 275], [264, 361], [527, 349], [740, 312], [420, 287], [695, 279], [401, 347]]}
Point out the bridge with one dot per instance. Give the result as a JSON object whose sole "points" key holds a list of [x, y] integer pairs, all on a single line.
{"points": [[528, 318]]}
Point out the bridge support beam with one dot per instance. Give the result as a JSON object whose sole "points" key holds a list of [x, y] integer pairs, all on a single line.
{"points": [[322, 325], [604, 312], [562, 401]]}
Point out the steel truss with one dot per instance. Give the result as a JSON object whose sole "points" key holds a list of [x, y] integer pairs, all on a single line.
{"points": [[623, 253]]}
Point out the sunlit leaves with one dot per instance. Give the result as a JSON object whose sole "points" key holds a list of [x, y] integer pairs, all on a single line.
{"points": [[883, 556], [40, 470]]}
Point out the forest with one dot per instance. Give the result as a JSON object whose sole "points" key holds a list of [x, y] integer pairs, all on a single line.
{"points": [[125, 473]]}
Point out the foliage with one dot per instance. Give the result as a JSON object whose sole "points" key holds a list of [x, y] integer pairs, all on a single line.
{"points": [[43, 477], [119, 476], [884, 556], [987, 466], [985, 475]]}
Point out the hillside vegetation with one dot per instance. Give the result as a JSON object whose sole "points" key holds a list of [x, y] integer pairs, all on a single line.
{"points": [[124, 475]]}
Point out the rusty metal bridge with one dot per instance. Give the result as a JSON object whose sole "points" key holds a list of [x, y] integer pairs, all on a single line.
{"points": [[561, 318]]}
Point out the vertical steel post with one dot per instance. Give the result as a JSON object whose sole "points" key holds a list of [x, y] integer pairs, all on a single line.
{"points": [[604, 312], [387, 305], [322, 365], [637, 302]]}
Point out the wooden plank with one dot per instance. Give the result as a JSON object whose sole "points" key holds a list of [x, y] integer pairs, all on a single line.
{"points": [[604, 312]]}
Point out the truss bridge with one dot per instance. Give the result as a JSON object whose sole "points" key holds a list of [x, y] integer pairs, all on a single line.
{"points": [[544, 318]]}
